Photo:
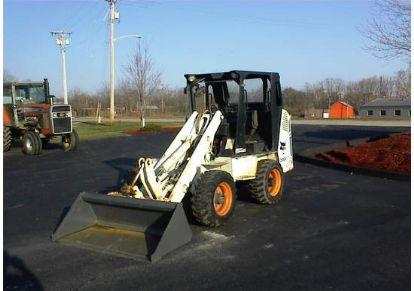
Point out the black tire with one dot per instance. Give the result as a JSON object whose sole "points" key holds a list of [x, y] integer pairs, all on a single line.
{"points": [[70, 141], [261, 189], [32, 143], [214, 198], [45, 142], [7, 138]]}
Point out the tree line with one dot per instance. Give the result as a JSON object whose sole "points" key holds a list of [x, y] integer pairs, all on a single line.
{"points": [[151, 97], [163, 100], [160, 101], [321, 95]]}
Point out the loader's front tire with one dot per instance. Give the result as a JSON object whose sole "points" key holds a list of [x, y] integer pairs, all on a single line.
{"points": [[32, 143], [214, 198], [267, 188], [7, 138]]}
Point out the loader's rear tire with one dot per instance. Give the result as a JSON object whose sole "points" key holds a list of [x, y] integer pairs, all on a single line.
{"points": [[70, 141], [32, 143], [267, 188], [214, 198], [7, 138]]}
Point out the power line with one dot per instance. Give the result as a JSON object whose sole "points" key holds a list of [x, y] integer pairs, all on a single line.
{"points": [[280, 21], [80, 15], [92, 20]]}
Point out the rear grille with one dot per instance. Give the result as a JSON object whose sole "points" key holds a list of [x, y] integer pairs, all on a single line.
{"points": [[62, 124], [285, 122]]}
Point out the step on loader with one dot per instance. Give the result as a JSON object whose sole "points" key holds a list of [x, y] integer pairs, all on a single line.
{"points": [[236, 135]]}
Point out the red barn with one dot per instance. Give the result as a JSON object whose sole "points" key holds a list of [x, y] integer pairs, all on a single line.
{"points": [[341, 109]]}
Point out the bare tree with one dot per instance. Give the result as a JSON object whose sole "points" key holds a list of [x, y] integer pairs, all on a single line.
{"points": [[8, 77], [402, 83], [333, 88], [295, 101], [144, 78], [389, 32], [83, 103]]}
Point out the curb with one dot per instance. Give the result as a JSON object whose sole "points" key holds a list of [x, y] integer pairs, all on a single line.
{"points": [[307, 157]]}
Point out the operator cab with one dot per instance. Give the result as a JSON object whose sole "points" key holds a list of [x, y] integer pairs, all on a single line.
{"points": [[251, 103], [26, 92]]}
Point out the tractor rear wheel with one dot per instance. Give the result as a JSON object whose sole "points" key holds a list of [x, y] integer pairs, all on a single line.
{"points": [[214, 198], [32, 143], [267, 188], [7, 138], [70, 141]]}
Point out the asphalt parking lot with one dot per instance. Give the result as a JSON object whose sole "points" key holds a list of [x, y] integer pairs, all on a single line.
{"points": [[334, 231]]}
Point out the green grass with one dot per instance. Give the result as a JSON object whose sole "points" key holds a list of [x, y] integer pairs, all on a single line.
{"points": [[151, 127], [91, 130]]}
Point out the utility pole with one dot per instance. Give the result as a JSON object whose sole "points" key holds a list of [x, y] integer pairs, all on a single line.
{"points": [[112, 16], [62, 40]]}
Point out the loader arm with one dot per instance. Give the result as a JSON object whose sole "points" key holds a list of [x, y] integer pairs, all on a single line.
{"points": [[169, 178], [155, 224]]}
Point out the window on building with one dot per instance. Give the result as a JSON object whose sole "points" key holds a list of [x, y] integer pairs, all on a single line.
{"points": [[383, 112], [370, 112], [397, 112]]}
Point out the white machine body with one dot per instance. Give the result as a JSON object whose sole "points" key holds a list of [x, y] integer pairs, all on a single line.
{"points": [[170, 177]]}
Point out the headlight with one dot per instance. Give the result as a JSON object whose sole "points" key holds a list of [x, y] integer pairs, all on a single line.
{"points": [[54, 114], [191, 78]]}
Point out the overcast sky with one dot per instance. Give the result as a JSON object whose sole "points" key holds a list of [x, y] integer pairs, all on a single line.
{"points": [[304, 41]]}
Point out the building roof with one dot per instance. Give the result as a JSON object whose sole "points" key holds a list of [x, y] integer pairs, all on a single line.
{"points": [[343, 103], [381, 102]]}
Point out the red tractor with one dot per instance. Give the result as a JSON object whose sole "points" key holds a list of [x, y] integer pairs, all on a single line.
{"points": [[29, 114]]}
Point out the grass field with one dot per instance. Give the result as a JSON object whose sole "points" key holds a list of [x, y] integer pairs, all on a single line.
{"points": [[91, 130]]}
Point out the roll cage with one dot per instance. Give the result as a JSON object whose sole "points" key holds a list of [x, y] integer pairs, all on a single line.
{"points": [[247, 121]]}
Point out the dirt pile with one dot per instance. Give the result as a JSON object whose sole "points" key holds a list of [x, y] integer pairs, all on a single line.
{"points": [[390, 153]]}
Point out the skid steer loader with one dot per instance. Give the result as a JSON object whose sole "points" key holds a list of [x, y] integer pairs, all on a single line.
{"points": [[234, 133]]}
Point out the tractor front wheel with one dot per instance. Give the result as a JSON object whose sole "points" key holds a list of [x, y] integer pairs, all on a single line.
{"points": [[70, 141], [7, 138], [32, 143], [214, 198]]}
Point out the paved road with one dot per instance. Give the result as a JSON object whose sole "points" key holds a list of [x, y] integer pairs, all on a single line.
{"points": [[340, 122], [335, 230]]}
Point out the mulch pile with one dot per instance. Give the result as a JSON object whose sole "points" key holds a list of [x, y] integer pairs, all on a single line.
{"points": [[137, 131], [389, 153]]}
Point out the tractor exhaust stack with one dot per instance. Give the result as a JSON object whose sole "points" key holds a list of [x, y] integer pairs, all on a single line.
{"points": [[132, 228]]}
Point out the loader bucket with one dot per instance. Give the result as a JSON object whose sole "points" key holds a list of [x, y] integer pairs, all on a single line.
{"points": [[123, 226]]}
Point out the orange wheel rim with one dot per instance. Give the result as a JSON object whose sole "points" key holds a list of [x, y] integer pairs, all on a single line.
{"points": [[223, 199], [274, 182]]}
